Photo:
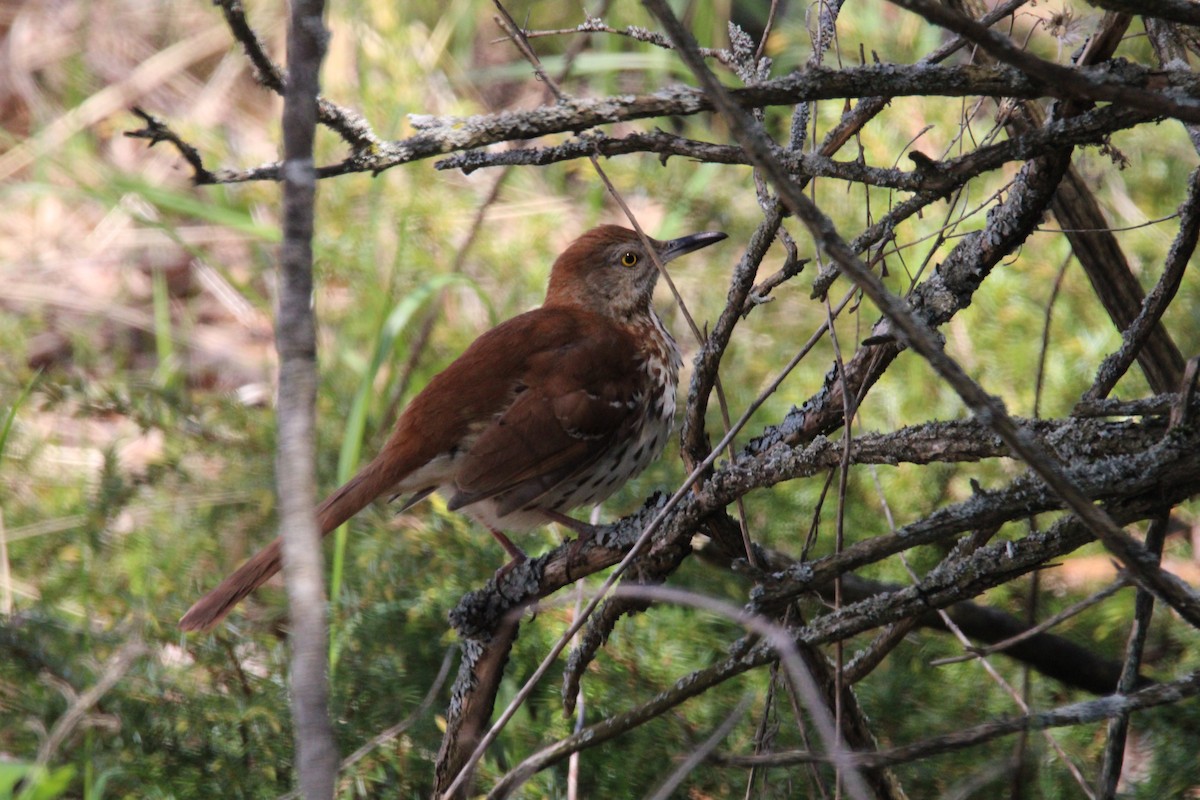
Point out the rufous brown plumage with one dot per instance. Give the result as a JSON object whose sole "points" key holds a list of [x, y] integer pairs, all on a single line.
{"points": [[551, 410]]}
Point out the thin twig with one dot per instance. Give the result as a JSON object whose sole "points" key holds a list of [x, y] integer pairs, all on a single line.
{"points": [[1050, 622], [1155, 304], [1084, 713], [1118, 726], [698, 754], [114, 669], [781, 643]]}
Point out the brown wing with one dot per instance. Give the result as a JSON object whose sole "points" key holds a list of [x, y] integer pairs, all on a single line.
{"points": [[574, 401]]}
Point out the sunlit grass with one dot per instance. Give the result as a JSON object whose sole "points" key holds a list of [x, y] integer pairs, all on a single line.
{"points": [[139, 467]]}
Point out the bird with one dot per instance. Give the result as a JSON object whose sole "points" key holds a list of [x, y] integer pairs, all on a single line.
{"points": [[551, 410]]}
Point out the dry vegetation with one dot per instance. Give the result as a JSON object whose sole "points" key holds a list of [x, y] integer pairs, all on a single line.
{"points": [[137, 370]]}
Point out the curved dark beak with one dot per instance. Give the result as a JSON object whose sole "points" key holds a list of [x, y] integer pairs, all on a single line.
{"points": [[673, 248]]}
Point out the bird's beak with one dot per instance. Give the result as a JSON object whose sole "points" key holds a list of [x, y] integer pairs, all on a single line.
{"points": [[674, 248]]}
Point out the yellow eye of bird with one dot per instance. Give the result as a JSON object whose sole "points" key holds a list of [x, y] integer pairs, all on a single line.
{"points": [[629, 259]]}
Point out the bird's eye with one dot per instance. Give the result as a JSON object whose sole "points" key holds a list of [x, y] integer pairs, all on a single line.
{"points": [[628, 259]]}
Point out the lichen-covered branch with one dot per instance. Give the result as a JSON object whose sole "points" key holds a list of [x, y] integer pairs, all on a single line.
{"points": [[1112, 459], [1083, 713], [438, 136]]}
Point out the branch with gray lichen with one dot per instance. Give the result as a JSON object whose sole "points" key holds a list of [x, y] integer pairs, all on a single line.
{"points": [[1170, 10], [349, 125], [929, 176], [1067, 83], [1108, 458], [1083, 713], [637, 34], [1111, 458], [438, 136]]}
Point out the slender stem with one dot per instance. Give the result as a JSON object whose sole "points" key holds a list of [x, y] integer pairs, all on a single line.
{"points": [[316, 752]]}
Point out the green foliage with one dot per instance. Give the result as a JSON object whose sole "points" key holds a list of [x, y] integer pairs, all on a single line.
{"points": [[31, 782], [138, 468]]}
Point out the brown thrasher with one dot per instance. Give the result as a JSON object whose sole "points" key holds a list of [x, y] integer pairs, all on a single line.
{"points": [[554, 409]]}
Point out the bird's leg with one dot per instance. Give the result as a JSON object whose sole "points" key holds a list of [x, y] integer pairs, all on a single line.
{"points": [[581, 529], [583, 533], [517, 554]]}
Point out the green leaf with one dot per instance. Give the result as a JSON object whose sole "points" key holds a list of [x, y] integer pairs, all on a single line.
{"points": [[356, 422], [185, 203], [12, 412], [40, 783]]}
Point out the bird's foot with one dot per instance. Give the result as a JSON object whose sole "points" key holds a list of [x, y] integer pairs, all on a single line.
{"points": [[516, 555], [518, 559], [514, 552], [584, 532]]}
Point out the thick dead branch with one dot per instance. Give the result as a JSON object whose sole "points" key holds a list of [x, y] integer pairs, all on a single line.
{"points": [[472, 700], [749, 658], [935, 301], [938, 177], [1099, 253], [1058, 657], [990, 566], [1053, 656]]}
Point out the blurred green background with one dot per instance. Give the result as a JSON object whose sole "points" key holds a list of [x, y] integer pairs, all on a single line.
{"points": [[136, 371]]}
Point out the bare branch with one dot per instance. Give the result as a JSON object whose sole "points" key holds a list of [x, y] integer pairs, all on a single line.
{"points": [[316, 751], [346, 123], [707, 361], [114, 669], [442, 135], [158, 131], [921, 338], [1171, 10], [1160, 297], [939, 177], [1068, 83], [1075, 714], [986, 509], [594, 24], [1130, 459]]}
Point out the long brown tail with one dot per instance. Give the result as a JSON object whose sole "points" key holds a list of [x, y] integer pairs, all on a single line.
{"points": [[340, 506]]}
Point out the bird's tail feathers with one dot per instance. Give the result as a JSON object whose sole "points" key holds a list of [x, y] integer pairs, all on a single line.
{"points": [[344, 503]]}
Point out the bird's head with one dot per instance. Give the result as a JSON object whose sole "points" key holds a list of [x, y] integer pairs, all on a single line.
{"points": [[608, 270]]}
